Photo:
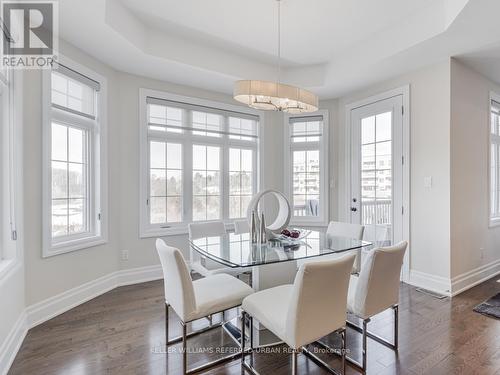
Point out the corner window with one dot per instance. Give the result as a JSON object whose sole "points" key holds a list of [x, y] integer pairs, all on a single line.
{"points": [[74, 186], [9, 174], [494, 160], [198, 162], [306, 155]]}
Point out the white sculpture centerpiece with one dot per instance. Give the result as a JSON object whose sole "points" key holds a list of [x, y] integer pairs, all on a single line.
{"points": [[282, 219]]}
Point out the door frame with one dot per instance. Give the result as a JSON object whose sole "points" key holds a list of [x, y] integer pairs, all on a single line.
{"points": [[405, 92]]}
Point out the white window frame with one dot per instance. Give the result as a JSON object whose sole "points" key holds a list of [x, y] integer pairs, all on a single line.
{"points": [[98, 187], [322, 219], [187, 139], [494, 218], [10, 169]]}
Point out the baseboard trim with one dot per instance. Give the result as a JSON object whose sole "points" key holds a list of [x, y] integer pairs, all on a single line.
{"points": [[51, 307], [12, 343], [437, 284], [458, 284], [58, 304], [470, 279], [139, 275]]}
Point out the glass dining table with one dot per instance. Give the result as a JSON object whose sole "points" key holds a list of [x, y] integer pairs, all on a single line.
{"points": [[274, 263], [236, 250]]}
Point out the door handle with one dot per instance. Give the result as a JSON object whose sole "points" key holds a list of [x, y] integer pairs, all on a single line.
{"points": [[354, 209]]}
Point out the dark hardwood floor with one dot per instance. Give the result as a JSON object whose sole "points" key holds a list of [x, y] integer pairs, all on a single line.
{"points": [[122, 332]]}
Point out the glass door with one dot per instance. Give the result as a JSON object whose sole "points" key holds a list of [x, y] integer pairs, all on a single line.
{"points": [[376, 170]]}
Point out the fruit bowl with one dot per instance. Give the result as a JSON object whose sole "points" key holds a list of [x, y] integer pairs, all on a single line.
{"points": [[294, 234]]}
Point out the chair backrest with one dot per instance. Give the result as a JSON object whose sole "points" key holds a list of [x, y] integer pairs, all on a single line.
{"points": [[337, 228], [241, 226], [179, 291], [319, 300], [377, 234], [377, 288], [208, 229]]}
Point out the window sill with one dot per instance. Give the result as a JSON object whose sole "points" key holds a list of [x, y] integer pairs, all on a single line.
{"points": [[163, 232], [178, 230], [73, 245]]}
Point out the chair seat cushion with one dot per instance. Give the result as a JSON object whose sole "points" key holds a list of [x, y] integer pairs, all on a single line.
{"points": [[217, 293], [270, 307]]}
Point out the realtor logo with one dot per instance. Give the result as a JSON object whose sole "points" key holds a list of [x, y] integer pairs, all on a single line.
{"points": [[29, 32]]}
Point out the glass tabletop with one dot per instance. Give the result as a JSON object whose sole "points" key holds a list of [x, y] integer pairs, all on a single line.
{"points": [[236, 250]]}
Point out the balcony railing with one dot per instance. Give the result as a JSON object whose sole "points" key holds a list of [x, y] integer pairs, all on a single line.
{"points": [[377, 212], [311, 208], [299, 210]]}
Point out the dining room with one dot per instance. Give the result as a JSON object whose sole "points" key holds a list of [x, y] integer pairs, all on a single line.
{"points": [[267, 187]]}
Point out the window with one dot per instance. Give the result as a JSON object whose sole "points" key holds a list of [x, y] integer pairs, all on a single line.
{"points": [[198, 162], [9, 174], [306, 174], [74, 185], [495, 160]]}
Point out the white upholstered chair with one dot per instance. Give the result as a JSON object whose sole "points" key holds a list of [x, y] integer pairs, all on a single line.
{"points": [[206, 229], [192, 300], [347, 230], [302, 312], [377, 234], [241, 227], [208, 267], [375, 290]]}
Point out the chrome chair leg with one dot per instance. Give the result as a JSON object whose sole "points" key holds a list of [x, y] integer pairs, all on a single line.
{"points": [[367, 334], [242, 340], [251, 340], [365, 331], [396, 326], [166, 327], [344, 343], [183, 340], [294, 361], [184, 349]]}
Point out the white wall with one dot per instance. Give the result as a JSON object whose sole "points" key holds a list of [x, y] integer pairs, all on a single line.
{"points": [[475, 247], [430, 156], [47, 277]]}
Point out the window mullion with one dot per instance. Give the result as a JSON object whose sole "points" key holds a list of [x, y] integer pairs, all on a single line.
{"points": [[67, 180], [187, 173], [497, 178], [224, 189], [89, 194]]}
